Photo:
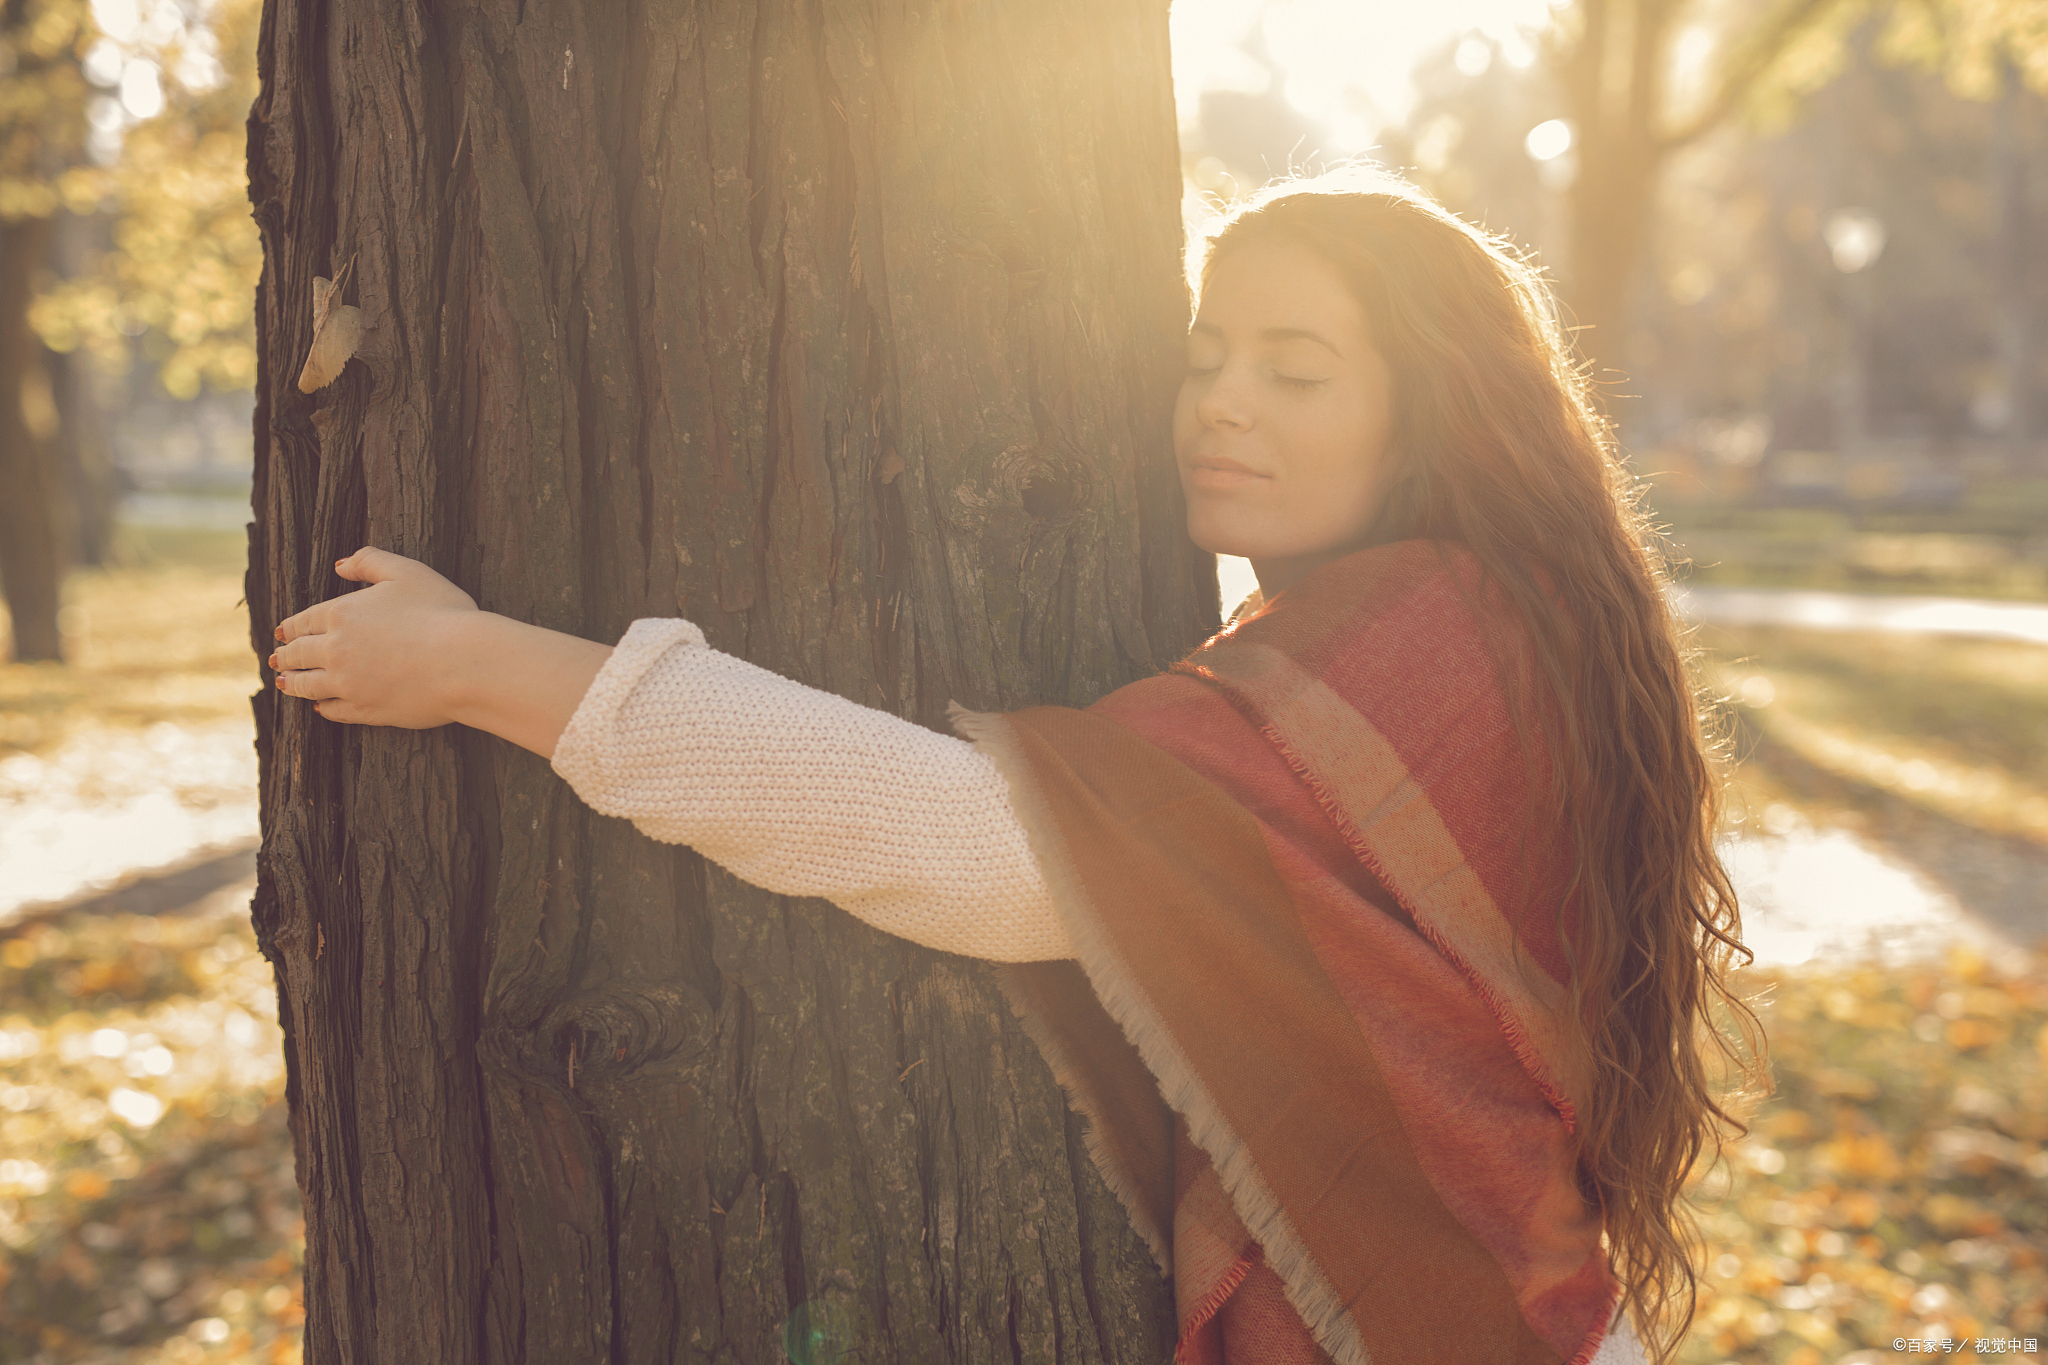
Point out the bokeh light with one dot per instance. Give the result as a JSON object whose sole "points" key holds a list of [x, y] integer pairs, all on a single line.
{"points": [[1548, 140], [1855, 239]]}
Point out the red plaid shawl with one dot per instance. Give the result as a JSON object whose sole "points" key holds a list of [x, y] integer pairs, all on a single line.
{"points": [[1297, 870]]}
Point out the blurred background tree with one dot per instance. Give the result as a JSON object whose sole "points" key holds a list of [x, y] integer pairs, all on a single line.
{"points": [[1640, 80], [126, 257], [1818, 335], [1601, 134], [42, 130]]}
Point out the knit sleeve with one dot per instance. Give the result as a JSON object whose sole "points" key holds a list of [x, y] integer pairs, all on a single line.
{"points": [[808, 794]]}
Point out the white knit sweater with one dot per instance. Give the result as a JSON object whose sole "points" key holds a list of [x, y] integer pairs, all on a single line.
{"points": [[808, 794]]}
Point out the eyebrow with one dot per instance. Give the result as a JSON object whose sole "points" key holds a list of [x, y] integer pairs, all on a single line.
{"points": [[1278, 334]]}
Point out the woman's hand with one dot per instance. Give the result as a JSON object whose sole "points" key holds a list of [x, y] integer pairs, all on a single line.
{"points": [[387, 655], [413, 651]]}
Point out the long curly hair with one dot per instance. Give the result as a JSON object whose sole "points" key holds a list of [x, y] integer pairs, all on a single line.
{"points": [[1498, 443]]}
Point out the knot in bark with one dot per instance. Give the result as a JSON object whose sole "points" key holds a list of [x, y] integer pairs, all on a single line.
{"points": [[617, 1030], [1049, 484]]}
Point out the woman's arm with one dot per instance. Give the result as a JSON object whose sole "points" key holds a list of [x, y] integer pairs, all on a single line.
{"points": [[413, 651], [809, 794], [790, 788]]}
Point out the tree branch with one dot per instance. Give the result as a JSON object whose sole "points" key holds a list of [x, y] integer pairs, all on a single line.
{"points": [[1748, 64]]}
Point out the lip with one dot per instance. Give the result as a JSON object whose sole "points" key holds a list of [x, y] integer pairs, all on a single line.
{"points": [[1220, 471]]}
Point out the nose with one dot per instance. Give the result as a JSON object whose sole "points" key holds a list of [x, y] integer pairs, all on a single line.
{"points": [[1224, 404]]}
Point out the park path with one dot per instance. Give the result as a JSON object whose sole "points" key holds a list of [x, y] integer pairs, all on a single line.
{"points": [[110, 809], [1815, 610]]}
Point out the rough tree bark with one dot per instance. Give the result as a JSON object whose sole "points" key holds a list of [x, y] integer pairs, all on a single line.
{"points": [[849, 331]]}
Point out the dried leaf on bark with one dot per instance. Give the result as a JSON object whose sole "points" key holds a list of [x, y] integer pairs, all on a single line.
{"points": [[337, 331]]}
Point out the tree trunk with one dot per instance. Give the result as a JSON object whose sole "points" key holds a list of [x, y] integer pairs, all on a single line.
{"points": [[33, 521], [2013, 247], [84, 439], [1608, 213], [850, 332], [1614, 86]]}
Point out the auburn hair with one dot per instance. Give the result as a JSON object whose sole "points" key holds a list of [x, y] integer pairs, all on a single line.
{"points": [[1497, 443]]}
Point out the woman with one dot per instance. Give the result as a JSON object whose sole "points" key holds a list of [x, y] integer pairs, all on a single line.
{"points": [[1377, 939]]}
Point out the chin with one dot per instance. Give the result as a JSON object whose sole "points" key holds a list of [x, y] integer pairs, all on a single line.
{"points": [[1210, 537], [1219, 533]]}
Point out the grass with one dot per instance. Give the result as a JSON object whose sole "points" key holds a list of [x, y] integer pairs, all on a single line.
{"points": [[1993, 548], [1958, 727], [160, 636]]}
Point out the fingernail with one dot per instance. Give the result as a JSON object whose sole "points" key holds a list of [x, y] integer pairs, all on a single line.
{"points": [[272, 662]]}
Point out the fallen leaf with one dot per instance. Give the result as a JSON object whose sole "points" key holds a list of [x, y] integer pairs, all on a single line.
{"points": [[86, 1185], [1839, 1083], [1967, 1034], [337, 331], [1972, 1150]]}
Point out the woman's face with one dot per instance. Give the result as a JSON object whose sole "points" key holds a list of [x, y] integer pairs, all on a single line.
{"points": [[1281, 427]]}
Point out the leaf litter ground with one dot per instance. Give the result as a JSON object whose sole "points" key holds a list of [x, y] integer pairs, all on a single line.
{"points": [[147, 1206]]}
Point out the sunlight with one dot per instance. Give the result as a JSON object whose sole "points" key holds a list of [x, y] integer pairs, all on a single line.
{"points": [[1691, 65], [1810, 893], [1346, 66], [1235, 581], [2025, 621]]}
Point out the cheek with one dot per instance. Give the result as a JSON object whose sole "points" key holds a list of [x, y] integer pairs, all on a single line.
{"points": [[1338, 493]]}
